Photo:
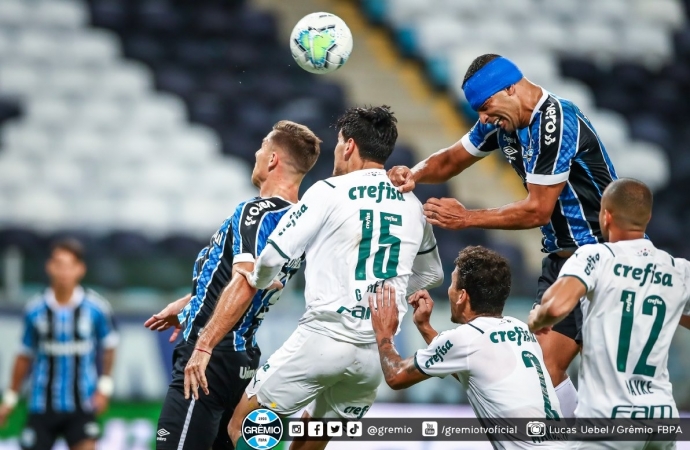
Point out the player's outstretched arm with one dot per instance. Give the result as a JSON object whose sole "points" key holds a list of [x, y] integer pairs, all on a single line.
{"points": [[558, 301], [232, 303], [534, 211], [437, 168], [399, 373], [167, 318], [22, 364]]}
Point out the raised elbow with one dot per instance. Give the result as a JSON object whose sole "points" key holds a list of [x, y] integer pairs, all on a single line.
{"points": [[539, 216], [395, 383], [438, 279]]}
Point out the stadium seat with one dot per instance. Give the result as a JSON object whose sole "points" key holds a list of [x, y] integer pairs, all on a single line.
{"points": [[18, 79], [646, 42], [14, 13], [68, 14], [668, 13], [97, 48]]}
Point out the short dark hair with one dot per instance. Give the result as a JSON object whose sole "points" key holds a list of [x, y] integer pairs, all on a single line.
{"points": [[630, 202], [70, 245], [299, 142], [373, 129], [478, 63], [485, 275]]}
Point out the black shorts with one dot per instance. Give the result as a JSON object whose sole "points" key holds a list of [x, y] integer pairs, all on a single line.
{"points": [[571, 326], [42, 430], [202, 424]]}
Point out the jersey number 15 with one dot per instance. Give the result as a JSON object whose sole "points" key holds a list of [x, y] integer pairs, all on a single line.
{"points": [[386, 242]]}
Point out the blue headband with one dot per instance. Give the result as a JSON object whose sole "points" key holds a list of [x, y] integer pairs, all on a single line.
{"points": [[495, 76]]}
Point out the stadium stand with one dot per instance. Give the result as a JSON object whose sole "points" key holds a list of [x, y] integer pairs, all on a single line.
{"points": [[134, 125]]}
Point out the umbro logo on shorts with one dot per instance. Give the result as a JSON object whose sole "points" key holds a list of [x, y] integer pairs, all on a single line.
{"points": [[161, 434]]}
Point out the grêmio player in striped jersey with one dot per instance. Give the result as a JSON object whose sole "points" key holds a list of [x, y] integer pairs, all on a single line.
{"points": [[563, 165], [219, 352]]}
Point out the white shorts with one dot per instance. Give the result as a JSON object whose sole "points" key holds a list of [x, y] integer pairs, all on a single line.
{"points": [[334, 379]]}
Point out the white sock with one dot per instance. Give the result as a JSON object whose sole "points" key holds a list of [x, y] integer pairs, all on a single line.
{"points": [[567, 397]]}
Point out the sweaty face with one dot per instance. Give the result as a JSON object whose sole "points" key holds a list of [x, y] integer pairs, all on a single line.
{"points": [[262, 155], [64, 269], [340, 165], [453, 295], [501, 110]]}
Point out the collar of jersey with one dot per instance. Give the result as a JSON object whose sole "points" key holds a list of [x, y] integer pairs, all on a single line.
{"points": [[77, 298], [544, 96]]}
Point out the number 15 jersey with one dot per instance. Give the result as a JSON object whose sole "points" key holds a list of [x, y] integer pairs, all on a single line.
{"points": [[636, 295], [356, 230]]}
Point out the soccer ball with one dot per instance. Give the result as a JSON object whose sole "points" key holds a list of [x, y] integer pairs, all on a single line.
{"points": [[321, 42]]}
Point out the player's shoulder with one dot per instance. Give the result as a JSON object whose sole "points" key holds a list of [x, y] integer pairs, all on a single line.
{"points": [[480, 129], [35, 304], [97, 302], [556, 111], [250, 212], [598, 251]]}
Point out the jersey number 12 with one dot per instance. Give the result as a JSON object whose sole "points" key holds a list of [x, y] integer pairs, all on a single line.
{"points": [[648, 305], [386, 242]]}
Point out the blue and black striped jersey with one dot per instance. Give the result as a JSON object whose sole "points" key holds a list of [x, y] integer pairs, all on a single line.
{"points": [[559, 145], [240, 238], [63, 341]]}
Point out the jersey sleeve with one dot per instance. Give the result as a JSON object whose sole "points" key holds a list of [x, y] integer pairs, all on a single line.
{"points": [[447, 354], [29, 337], [585, 264], [481, 140], [428, 239], [106, 330], [427, 269], [250, 229], [554, 138]]}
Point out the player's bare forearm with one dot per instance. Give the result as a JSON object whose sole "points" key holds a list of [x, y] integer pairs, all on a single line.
{"points": [[108, 361], [427, 332], [233, 302], [22, 365], [558, 301], [534, 211], [444, 164], [685, 321], [399, 373]]}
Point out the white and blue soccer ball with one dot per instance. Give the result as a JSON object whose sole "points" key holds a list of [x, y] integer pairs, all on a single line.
{"points": [[321, 42]]}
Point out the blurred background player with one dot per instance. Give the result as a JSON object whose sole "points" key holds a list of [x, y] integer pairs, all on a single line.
{"points": [[563, 165], [355, 230], [64, 328], [224, 306], [494, 356], [633, 296]]}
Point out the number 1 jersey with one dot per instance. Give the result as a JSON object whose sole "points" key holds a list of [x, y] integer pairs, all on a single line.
{"points": [[636, 295], [356, 231]]}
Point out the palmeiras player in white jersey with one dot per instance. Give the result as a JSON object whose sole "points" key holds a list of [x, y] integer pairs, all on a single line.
{"points": [[632, 297], [494, 356], [356, 230]]}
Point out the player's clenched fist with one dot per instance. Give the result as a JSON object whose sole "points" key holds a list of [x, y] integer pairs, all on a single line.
{"points": [[402, 177], [422, 304]]}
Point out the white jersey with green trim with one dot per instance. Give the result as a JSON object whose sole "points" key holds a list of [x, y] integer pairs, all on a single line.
{"points": [[501, 365], [636, 295], [355, 230]]}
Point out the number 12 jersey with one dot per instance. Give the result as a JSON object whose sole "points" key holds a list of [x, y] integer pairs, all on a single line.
{"points": [[636, 295]]}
